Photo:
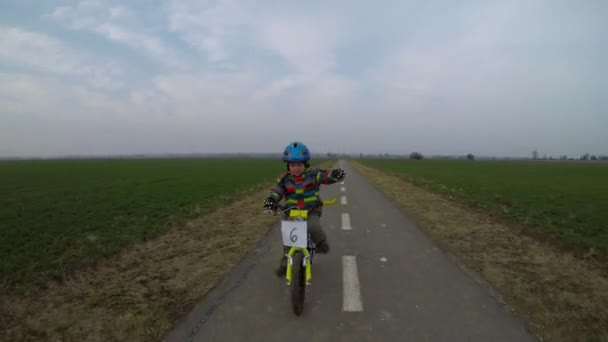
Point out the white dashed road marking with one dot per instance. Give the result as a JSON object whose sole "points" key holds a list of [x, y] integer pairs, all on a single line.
{"points": [[351, 291], [342, 188], [346, 221], [343, 200]]}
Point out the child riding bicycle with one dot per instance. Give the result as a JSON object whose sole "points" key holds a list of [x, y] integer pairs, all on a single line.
{"points": [[300, 188]]}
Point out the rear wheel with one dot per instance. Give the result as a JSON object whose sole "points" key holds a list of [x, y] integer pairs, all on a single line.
{"points": [[298, 283]]}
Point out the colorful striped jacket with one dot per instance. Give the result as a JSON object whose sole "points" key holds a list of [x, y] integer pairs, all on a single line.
{"points": [[303, 191]]}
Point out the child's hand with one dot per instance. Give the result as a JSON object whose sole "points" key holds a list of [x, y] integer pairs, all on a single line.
{"points": [[338, 174], [270, 203]]}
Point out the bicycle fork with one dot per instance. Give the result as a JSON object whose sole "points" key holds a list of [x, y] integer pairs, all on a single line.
{"points": [[306, 263]]}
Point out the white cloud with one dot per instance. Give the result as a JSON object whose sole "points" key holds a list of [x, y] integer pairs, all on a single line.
{"points": [[207, 95], [306, 43], [109, 23], [211, 29], [43, 53], [151, 45], [277, 87], [119, 12], [47, 96], [227, 30]]}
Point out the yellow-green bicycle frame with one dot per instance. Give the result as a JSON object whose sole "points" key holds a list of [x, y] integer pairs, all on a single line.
{"points": [[295, 214]]}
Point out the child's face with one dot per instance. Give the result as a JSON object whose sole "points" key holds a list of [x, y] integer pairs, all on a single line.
{"points": [[296, 169]]}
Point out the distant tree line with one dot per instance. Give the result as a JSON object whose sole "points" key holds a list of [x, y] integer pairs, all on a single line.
{"points": [[419, 156], [585, 156], [470, 156]]}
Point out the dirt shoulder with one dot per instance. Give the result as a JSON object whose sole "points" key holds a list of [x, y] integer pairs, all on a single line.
{"points": [[562, 297], [141, 293]]}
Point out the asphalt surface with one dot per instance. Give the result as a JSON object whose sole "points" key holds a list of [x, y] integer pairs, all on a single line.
{"points": [[383, 280]]}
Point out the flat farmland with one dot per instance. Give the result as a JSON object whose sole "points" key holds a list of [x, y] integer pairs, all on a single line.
{"points": [[568, 200], [59, 215]]}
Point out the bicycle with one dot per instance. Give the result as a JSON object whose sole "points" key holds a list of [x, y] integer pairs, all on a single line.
{"points": [[294, 231]]}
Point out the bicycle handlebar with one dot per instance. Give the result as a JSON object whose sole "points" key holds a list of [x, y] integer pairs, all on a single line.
{"points": [[284, 208]]}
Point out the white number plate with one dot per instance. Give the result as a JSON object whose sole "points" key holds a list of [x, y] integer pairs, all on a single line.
{"points": [[295, 233]]}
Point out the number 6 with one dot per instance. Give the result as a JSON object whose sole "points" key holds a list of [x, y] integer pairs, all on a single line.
{"points": [[292, 237]]}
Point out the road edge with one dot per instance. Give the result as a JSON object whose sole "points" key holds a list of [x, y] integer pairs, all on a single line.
{"points": [[187, 327]]}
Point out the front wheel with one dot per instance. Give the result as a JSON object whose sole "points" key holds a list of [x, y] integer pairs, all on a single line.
{"points": [[298, 283]]}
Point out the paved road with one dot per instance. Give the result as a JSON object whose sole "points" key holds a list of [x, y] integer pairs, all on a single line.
{"points": [[383, 280]]}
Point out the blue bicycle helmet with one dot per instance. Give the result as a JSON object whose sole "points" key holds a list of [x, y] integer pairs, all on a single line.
{"points": [[296, 152]]}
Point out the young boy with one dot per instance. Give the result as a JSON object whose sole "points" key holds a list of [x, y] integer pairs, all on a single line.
{"points": [[300, 188]]}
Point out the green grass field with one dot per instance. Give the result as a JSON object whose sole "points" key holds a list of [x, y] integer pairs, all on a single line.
{"points": [[58, 215], [567, 199]]}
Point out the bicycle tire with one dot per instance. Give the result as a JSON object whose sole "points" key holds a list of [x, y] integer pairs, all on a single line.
{"points": [[298, 283]]}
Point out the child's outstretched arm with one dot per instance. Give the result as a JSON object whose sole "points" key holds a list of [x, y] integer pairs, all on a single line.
{"points": [[330, 177]]}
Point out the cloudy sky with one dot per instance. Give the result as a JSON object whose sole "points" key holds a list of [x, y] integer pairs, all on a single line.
{"points": [[487, 77]]}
